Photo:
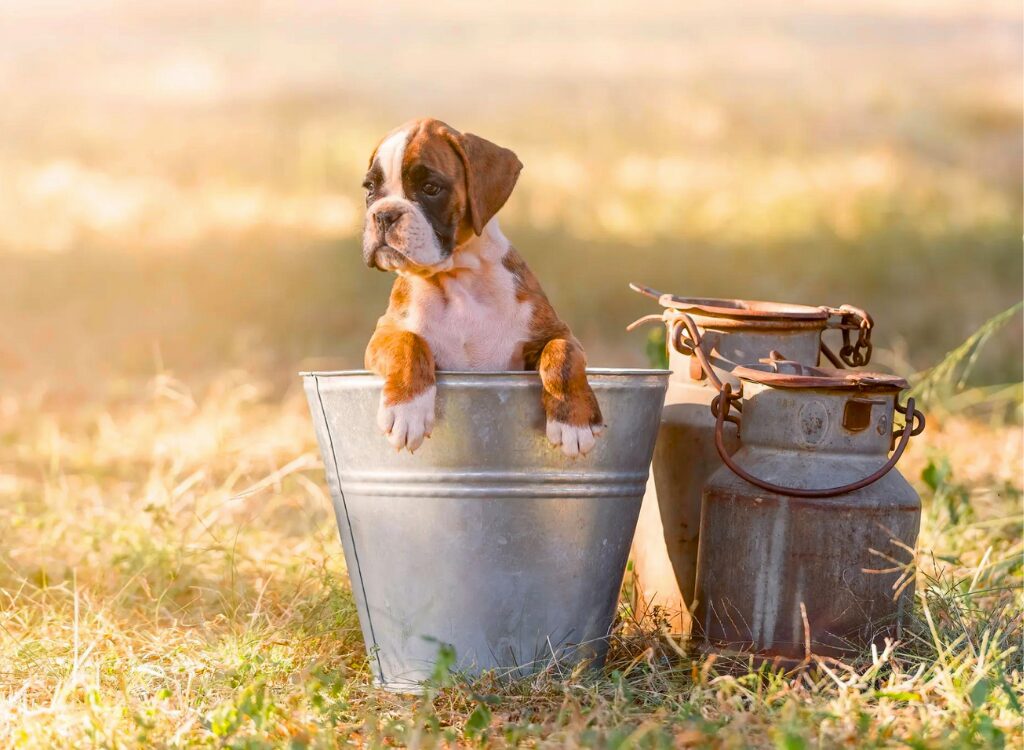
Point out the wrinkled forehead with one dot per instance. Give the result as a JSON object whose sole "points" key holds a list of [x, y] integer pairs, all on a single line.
{"points": [[430, 147], [413, 150]]}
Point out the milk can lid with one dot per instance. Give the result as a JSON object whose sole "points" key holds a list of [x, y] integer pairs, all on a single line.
{"points": [[787, 374], [742, 308], [745, 309]]}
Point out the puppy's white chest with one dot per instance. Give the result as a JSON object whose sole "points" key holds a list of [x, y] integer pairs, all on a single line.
{"points": [[467, 330]]}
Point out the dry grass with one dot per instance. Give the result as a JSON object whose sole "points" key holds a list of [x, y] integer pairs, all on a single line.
{"points": [[171, 576]]}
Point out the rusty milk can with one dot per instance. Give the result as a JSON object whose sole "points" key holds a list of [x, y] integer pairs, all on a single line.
{"points": [[807, 533], [706, 339]]}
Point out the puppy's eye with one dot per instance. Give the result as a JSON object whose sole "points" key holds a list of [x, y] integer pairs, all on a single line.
{"points": [[367, 185], [431, 189]]}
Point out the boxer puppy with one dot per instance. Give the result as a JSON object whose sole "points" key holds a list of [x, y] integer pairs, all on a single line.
{"points": [[464, 298]]}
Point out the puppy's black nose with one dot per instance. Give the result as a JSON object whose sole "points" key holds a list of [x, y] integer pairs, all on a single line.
{"points": [[385, 219]]}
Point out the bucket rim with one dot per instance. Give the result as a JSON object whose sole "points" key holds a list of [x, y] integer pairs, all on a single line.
{"points": [[494, 374]]}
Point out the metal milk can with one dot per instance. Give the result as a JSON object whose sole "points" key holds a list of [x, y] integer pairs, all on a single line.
{"points": [[706, 339], [807, 533]]}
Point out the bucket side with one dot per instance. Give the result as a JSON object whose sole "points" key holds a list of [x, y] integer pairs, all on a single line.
{"points": [[325, 441], [490, 430]]}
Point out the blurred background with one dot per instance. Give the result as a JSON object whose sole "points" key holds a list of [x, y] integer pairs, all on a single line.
{"points": [[179, 182]]}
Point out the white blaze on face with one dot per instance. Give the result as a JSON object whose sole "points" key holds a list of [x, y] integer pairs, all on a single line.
{"points": [[411, 233], [390, 156]]}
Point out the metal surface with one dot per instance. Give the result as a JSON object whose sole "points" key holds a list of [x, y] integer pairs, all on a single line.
{"points": [[720, 408], [785, 576], [487, 538], [733, 311], [781, 373], [708, 339], [754, 315]]}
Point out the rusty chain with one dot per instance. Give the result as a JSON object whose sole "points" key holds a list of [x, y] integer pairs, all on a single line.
{"points": [[852, 353]]}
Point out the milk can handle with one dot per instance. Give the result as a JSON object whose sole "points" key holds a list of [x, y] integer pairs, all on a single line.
{"points": [[691, 347], [914, 426], [694, 346], [853, 353]]}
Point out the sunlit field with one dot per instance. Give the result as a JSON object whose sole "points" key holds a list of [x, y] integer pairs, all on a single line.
{"points": [[179, 218], [171, 574]]}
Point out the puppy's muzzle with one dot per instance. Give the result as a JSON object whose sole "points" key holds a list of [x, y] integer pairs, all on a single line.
{"points": [[385, 220], [380, 254], [385, 258]]}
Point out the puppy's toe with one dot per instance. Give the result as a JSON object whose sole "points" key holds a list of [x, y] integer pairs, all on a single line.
{"points": [[428, 425], [585, 437], [408, 422], [398, 433], [385, 417], [575, 440], [414, 437]]}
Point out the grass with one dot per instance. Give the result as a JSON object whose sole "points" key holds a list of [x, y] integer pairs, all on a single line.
{"points": [[170, 576]]}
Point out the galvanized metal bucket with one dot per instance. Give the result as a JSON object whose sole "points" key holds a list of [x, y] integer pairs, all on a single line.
{"points": [[487, 538], [808, 531], [707, 338]]}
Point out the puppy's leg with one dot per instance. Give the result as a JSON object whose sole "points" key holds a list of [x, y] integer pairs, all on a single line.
{"points": [[406, 412], [573, 415]]}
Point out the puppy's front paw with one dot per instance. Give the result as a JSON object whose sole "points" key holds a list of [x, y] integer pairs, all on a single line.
{"points": [[406, 423], [576, 440]]}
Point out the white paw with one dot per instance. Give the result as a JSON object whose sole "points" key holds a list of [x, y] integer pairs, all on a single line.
{"points": [[576, 440], [408, 422]]}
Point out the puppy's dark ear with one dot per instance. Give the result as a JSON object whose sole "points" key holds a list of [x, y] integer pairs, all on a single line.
{"points": [[491, 173]]}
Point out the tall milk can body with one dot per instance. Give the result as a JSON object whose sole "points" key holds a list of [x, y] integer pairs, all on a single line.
{"points": [[730, 333], [807, 536]]}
